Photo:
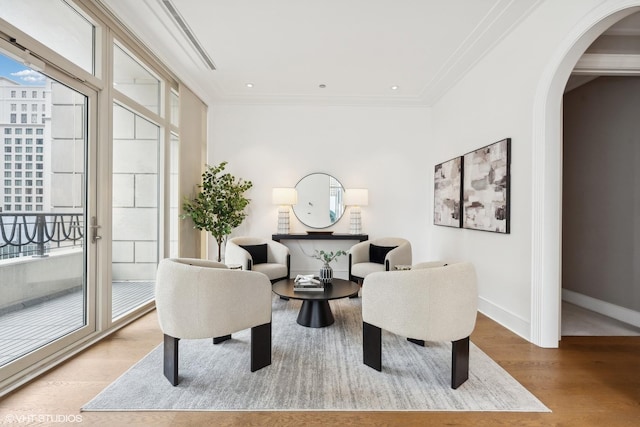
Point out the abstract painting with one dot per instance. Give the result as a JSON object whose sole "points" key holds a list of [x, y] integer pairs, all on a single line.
{"points": [[486, 188], [447, 193]]}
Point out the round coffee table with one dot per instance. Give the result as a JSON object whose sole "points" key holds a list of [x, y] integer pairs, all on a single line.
{"points": [[315, 311]]}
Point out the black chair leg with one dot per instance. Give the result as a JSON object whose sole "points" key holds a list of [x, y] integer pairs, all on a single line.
{"points": [[372, 346], [171, 359], [260, 346], [459, 362], [357, 280], [218, 340]]}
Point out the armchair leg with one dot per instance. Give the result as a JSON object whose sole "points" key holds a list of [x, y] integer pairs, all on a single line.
{"points": [[459, 362], [356, 279], [170, 365], [260, 346], [416, 341], [218, 340], [372, 346]]}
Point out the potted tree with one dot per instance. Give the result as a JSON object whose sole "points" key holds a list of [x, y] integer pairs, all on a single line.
{"points": [[220, 205]]}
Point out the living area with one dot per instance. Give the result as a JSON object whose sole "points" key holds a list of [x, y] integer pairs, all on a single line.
{"points": [[274, 131]]}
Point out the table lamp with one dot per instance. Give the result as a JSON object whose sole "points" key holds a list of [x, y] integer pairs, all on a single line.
{"points": [[356, 197], [284, 197]]}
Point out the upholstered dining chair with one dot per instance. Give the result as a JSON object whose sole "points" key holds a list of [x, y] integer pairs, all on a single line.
{"points": [[433, 302], [381, 254], [265, 256], [204, 299]]}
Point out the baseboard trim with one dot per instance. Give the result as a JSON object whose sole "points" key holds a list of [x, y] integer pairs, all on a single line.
{"points": [[606, 308], [509, 320]]}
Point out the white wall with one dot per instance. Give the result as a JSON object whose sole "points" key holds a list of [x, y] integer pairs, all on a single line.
{"points": [[392, 151], [383, 149], [497, 99]]}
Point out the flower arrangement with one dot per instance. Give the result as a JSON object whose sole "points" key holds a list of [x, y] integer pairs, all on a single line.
{"points": [[327, 257]]}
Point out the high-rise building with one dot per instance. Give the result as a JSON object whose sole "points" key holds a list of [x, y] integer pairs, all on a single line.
{"points": [[24, 125]]}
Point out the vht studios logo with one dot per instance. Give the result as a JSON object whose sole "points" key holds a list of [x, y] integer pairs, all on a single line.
{"points": [[41, 418]]}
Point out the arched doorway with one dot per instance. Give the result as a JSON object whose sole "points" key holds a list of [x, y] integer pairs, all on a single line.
{"points": [[546, 167]]}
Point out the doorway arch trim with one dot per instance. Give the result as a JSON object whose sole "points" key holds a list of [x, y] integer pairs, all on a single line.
{"points": [[546, 188]]}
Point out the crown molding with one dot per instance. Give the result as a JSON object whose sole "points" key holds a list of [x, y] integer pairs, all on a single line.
{"points": [[608, 64]]}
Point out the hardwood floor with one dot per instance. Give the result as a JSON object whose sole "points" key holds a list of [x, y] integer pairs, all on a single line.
{"points": [[588, 381]]}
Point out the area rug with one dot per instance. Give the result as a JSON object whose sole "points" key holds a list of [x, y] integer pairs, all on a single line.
{"points": [[315, 369]]}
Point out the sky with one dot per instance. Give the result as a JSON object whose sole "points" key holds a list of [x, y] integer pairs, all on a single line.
{"points": [[19, 73]]}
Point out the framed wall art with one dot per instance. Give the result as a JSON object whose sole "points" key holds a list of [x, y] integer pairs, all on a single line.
{"points": [[447, 193], [486, 188]]}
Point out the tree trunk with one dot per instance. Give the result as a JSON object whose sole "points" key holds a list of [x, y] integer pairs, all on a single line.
{"points": [[219, 241]]}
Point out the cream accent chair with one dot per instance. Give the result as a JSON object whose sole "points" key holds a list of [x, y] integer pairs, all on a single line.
{"points": [[278, 265], [430, 302], [203, 299], [360, 265]]}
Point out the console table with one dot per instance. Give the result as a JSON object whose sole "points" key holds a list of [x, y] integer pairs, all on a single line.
{"points": [[320, 236], [301, 263]]}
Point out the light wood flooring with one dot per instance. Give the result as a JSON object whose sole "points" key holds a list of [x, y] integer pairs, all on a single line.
{"points": [[588, 381]]}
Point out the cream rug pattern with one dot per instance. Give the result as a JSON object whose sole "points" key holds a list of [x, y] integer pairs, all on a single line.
{"points": [[315, 369]]}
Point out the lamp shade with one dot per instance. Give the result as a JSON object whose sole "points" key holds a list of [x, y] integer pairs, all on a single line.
{"points": [[284, 196], [356, 197]]}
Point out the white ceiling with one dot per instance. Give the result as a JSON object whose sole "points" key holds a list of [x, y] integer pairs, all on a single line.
{"points": [[357, 48]]}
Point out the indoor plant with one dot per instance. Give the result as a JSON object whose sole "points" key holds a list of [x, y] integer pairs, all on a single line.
{"points": [[220, 205]]}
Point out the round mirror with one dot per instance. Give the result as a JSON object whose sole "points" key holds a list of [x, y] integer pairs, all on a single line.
{"points": [[320, 202]]}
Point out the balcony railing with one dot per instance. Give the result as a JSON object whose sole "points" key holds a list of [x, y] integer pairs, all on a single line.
{"points": [[37, 234]]}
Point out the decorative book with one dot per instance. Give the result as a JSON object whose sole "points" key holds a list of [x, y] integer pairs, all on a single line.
{"points": [[307, 283]]}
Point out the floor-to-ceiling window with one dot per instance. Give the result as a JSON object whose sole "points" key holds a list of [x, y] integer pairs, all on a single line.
{"points": [[90, 141], [135, 232], [140, 143]]}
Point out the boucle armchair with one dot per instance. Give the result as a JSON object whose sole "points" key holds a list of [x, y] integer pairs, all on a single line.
{"points": [[377, 255], [265, 256], [203, 299], [427, 303]]}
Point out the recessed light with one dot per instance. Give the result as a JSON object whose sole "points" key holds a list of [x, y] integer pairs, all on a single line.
{"points": [[395, 87], [322, 85], [249, 85]]}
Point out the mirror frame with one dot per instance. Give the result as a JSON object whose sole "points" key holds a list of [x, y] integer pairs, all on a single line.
{"points": [[316, 199]]}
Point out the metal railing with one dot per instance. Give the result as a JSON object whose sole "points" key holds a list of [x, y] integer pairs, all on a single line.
{"points": [[37, 234]]}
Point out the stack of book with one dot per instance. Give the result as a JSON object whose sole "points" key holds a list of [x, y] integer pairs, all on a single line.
{"points": [[307, 283]]}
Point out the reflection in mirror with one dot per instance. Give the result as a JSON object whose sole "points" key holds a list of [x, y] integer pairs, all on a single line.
{"points": [[320, 203]]}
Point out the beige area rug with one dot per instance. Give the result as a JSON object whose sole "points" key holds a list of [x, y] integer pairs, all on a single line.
{"points": [[315, 369]]}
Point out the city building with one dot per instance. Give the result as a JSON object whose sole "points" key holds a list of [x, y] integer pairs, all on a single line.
{"points": [[24, 114]]}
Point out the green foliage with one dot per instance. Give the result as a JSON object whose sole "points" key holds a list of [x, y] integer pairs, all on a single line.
{"points": [[327, 257], [219, 207]]}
